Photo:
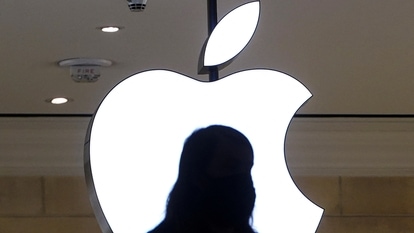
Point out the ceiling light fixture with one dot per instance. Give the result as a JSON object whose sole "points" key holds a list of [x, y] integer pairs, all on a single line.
{"points": [[110, 28], [58, 100]]}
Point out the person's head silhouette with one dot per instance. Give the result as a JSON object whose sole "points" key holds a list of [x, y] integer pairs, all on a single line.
{"points": [[214, 191]]}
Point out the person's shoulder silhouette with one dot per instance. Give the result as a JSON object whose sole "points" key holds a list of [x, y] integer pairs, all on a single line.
{"points": [[214, 190]]}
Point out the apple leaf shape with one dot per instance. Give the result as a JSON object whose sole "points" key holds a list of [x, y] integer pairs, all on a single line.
{"points": [[232, 34], [137, 133]]}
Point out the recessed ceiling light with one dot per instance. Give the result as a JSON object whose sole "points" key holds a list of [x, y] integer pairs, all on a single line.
{"points": [[110, 29], [58, 100]]}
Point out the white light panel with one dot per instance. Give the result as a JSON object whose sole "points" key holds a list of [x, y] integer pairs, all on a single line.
{"points": [[232, 34]]}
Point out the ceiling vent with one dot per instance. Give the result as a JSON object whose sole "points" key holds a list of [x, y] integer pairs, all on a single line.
{"points": [[137, 5]]}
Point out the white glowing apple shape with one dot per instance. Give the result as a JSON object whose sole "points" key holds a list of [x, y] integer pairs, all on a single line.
{"points": [[139, 130], [136, 136]]}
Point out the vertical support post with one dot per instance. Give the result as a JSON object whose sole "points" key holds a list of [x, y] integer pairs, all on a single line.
{"points": [[212, 22]]}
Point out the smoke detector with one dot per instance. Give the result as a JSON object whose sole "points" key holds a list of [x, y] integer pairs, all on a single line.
{"points": [[85, 69]]}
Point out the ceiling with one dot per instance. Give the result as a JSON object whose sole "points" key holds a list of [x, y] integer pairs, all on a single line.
{"points": [[356, 57]]}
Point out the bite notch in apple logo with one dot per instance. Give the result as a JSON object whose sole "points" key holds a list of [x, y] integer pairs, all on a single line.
{"points": [[135, 137]]}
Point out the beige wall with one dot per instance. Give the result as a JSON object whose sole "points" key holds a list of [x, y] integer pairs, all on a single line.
{"points": [[362, 204], [352, 204], [45, 205]]}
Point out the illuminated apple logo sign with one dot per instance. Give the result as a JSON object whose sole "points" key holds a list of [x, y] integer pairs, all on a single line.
{"points": [[135, 140]]}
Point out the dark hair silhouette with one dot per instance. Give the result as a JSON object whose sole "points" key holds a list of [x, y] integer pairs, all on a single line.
{"points": [[214, 189]]}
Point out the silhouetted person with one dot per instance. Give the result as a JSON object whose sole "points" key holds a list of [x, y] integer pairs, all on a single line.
{"points": [[214, 192]]}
